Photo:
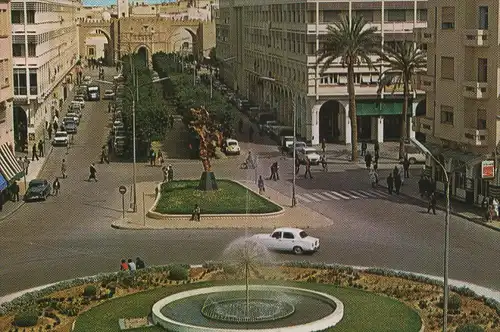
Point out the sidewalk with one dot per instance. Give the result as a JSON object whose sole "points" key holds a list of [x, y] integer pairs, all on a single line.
{"points": [[299, 216]]}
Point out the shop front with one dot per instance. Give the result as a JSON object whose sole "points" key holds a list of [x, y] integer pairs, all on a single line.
{"points": [[379, 120], [11, 171]]}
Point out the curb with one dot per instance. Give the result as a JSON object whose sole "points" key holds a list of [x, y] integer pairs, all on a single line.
{"points": [[136, 227]]}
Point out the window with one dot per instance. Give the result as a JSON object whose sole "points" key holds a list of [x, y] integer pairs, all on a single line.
{"points": [[276, 235], [447, 114], [482, 70], [287, 235], [4, 23], [366, 14], [33, 82], [32, 49], [30, 16], [20, 82], [422, 15], [17, 17], [396, 15], [447, 68], [18, 50], [447, 18], [483, 17], [481, 119]]}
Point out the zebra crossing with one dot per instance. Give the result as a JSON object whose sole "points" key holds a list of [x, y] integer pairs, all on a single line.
{"points": [[340, 195]]}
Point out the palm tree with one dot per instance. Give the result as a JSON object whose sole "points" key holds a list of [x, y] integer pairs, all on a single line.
{"points": [[404, 62], [351, 41]]}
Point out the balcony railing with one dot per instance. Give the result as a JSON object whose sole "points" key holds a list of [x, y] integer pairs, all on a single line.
{"points": [[388, 26], [476, 38], [476, 137], [475, 90], [424, 125], [424, 35], [426, 83]]}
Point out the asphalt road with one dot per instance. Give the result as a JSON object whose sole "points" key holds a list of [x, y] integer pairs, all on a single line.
{"points": [[70, 235]]}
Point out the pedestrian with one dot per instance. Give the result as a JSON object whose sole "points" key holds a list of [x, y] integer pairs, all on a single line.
{"points": [[33, 153], [93, 172], [432, 203], [152, 157], [421, 186], [368, 159], [373, 178], [308, 169], [260, 184], [376, 148], [171, 121], [63, 169], [139, 263], [397, 183], [195, 216], [131, 267], [40, 148], [164, 171], [109, 107], [406, 167], [170, 173], [324, 163], [323, 145], [55, 126], [26, 164], [123, 265], [395, 171], [56, 186], [364, 146], [160, 157], [274, 171], [15, 192], [21, 163], [49, 131], [375, 165], [495, 207], [297, 165]]}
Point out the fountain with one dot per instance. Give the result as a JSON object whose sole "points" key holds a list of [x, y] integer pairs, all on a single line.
{"points": [[247, 307]]}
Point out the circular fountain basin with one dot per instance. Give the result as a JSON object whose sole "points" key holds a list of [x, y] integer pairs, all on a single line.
{"points": [[309, 310]]}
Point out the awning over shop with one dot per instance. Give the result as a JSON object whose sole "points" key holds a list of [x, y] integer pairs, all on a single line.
{"points": [[463, 157], [377, 108], [9, 167]]}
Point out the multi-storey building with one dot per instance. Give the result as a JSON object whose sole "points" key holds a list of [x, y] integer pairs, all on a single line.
{"points": [[6, 90], [461, 124], [45, 51], [280, 40]]}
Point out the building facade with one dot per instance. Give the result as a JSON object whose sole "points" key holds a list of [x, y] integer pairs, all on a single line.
{"points": [[45, 52], [6, 88], [279, 40], [461, 124]]}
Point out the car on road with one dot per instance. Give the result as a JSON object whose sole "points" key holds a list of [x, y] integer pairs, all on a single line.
{"points": [[308, 153], [231, 146], [108, 95], [79, 100], [298, 145], [60, 138], [295, 240], [70, 127], [75, 117], [415, 155], [38, 189], [75, 108], [87, 80]]}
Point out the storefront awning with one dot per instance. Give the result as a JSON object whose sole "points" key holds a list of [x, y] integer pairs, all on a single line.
{"points": [[377, 108], [463, 157], [9, 167]]}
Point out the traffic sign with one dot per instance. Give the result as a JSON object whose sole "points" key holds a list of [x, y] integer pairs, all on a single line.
{"points": [[122, 190]]}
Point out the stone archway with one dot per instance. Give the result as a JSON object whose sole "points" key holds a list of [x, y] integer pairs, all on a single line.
{"points": [[329, 124], [144, 54], [20, 128], [98, 44]]}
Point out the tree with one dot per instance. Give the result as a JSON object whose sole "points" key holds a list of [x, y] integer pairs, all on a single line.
{"points": [[404, 62], [353, 43]]}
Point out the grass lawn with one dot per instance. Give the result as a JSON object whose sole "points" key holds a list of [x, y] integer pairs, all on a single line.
{"points": [[179, 197], [363, 311]]}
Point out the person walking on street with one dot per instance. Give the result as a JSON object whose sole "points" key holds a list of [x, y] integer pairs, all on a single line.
{"points": [[164, 171], [171, 121], [432, 203], [15, 192], [260, 184], [63, 169], [308, 169], [364, 146], [397, 183], [56, 186], [34, 154], [373, 178], [49, 131], [323, 145], [368, 159], [152, 157], [324, 163], [170, 173], [274, 172], [297, 165], [495, 207], [26, 164], [93, 172], [160, 157], [40, 148], [390, 183], [376, 148], [406, 167]]}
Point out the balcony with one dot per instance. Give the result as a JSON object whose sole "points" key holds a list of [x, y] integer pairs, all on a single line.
{"points": [[424, 125], [424, 35], [477, 137], [389, 27], [476, 38], [426, 83], [475, 90]]}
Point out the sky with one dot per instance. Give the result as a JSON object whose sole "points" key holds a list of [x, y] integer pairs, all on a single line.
{"points": [[112, 2]]}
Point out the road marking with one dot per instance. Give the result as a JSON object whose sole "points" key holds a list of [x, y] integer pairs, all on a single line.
{"points": [[321, 196], [358, 193], [326, 193], [368, 193], [302, 198], [349, 194], [339, 195], [312, 197], [378, 193]]}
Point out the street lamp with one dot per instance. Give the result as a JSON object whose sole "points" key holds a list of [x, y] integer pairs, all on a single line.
{"points": [[134, 100]]}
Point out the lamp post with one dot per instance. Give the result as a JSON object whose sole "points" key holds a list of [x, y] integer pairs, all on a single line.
{"points": [[135, 97]]}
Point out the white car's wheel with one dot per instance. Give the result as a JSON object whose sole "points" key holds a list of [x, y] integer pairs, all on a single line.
{"points": [[413, 161], [298, 250]]}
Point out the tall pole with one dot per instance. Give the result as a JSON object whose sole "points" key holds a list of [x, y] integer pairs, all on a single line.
{"points": [[194, 73], [294, 105], [134, 98], [211, 84], [446, 251]]}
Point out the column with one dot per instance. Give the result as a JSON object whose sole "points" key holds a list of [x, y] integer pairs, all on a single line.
{"points": [[373, 128], [411, 119], [380, 129], [347, 124], [315, 125]]}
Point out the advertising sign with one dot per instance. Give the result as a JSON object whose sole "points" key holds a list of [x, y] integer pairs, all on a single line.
{"points": [[488, 169]]}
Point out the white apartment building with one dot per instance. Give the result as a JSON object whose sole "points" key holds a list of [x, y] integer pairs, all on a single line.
{"points": [[6, 91], [461, 125], [279, 39], [45, 51]]}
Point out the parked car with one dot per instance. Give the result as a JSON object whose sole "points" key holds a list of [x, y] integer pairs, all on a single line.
{"points": [[108, 94], [286, 142], [87, 80], [60, 138], [308, 153], [415, 155], [298, 145], [231, 146], [79, 100], [70, 127], [75, 108], [38, 190], [74, 116], [295, 240]]}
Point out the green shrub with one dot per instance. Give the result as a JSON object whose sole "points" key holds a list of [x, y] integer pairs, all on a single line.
{"points": [[454, 302], [178, 272], [90, 290], [469, 328], [26, 319]]}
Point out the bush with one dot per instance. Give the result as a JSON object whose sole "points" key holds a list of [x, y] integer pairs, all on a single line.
{"points": [[26, 319], [454, 303], [90, 290], [469, 328], [178, 272]]}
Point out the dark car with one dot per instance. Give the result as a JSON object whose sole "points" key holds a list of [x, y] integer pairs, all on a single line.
{"points": [[38, 190], [70, 127]]}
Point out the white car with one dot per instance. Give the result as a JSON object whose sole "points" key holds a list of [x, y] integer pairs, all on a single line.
{"points": [[108, 94], [415, 155], [289, 239], [79, 100], [87, 80], [60, 138], [298, 146], [232, 147], [75, 116], [308, 153]]}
